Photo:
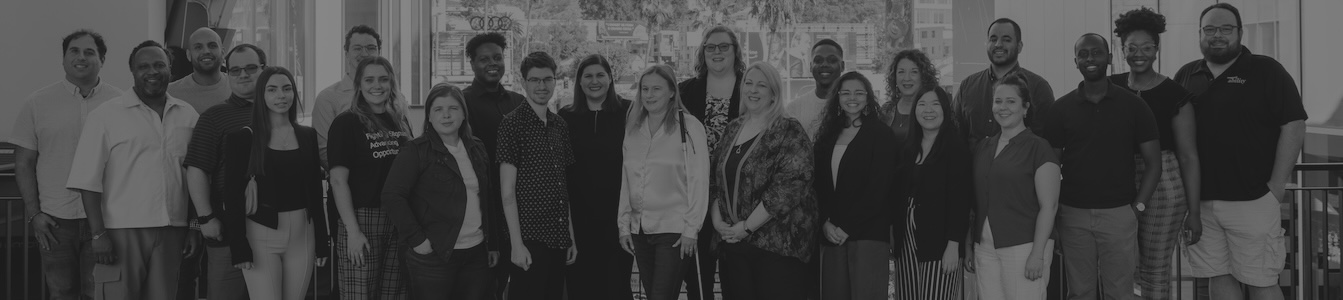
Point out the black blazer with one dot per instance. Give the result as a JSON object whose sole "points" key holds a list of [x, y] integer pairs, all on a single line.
{"points": [[425, 195], [694, 96], [237, 154], [942, 192], [859, 200]]}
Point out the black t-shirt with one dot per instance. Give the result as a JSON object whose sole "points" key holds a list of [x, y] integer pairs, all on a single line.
{"points": [[1098, 142], [1165, 100], [368, 155], [1240, 117]]}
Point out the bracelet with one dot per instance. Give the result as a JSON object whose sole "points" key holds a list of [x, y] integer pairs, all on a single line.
{"points": [[100, 234], [748, 230], [34, 216]]}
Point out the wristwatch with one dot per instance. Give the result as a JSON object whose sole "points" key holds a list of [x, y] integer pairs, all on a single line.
{"points": [[204, 219], [1140, 206]]}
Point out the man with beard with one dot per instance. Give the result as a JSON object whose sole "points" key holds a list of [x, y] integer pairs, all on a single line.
{"points": [[1250, 125], [205, 176], [128, 171], [827, 62], [1096, 130], [206, 86], [361, 42], [46, 132], [486, 102], [974, 101]]}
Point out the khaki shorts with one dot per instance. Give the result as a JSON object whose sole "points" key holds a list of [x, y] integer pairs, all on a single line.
{"points": [[1243, 239]]}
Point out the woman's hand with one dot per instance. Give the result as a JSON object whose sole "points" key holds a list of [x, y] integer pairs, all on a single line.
{"points": [[829, 231], [627, 243], [687, 246], [521, 257], [1035, 265], [320, 262], [243, 266], [951, 261], [355, 245]]}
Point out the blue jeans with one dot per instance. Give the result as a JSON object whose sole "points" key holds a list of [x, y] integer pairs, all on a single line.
{"points": [[68, 264], [465, 274], [660, 264]]}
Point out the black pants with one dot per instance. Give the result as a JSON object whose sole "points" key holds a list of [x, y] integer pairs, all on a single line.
{"points": [[543, 279], [464, 275], [699, 279], [602, 270], [750, 273]]}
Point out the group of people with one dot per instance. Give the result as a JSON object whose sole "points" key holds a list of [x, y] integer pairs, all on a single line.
{"points": [[714, 175]]}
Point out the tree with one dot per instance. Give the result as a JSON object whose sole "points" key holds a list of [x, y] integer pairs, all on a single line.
{"points": [[613, 10], [843, 11]]}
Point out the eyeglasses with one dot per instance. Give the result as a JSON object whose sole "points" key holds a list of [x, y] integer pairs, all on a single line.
{"points": [[360, 49], [547, 80], [1225, 30], [1098, 53], [1144, 49], [251, 70], [724, 47]]}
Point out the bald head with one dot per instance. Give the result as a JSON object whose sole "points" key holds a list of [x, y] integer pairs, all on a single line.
{"points": [[204, 50]]}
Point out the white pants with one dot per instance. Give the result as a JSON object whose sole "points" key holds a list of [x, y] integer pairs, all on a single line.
{"points": [[1002, 272], [282, 258]]}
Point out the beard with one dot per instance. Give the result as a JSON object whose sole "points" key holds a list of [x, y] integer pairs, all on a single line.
{"points": [[1220, 56]]}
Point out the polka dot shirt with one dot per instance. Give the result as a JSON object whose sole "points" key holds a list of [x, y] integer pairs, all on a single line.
{"points": [[540, 151]]}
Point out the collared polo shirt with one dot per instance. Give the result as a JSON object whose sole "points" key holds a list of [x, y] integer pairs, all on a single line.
{"points": [[1005, 186], [201, 97], [1099, 141], [665, 180], [134, 158], [488, 109], [331, 102], [974, 102], [206, 152], [1240, 117], [540, 150], [50, 123]]}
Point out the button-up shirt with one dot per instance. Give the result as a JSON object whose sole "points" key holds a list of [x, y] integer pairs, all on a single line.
{"points": [[50, 123], [540, 151], [665, 180], [331, 102], [134, 158], [974, 102]]}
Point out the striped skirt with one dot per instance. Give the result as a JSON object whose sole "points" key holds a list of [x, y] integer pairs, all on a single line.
{"points": [[914, 279]]}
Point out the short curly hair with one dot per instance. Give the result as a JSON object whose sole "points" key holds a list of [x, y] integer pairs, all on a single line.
{"points": [[928, 76], [482, 39], [1144, 19]]}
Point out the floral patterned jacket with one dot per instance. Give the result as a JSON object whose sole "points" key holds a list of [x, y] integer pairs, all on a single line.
{"points": [[776, 171]]}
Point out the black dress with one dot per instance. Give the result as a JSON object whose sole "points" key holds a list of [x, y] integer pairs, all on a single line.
{"points": [[603, 268]]}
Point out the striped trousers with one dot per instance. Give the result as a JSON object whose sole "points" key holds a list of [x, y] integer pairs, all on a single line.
{"points": [[921, 280]]}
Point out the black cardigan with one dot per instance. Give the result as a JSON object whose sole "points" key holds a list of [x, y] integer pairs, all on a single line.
{"points": [[859, 200], [694, 96], [942, 192], [237, 154], [425, 195]]}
